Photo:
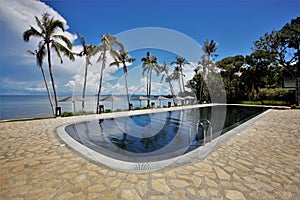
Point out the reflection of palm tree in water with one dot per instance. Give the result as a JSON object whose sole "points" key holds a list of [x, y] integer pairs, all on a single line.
{"points": [[150, 142], [100, 123]]}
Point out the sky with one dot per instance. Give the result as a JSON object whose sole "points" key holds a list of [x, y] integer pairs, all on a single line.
{"points": [[166, 28]]}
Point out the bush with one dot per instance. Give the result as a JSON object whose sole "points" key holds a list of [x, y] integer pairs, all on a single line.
{"points": [[277, 94], [67, 114]]}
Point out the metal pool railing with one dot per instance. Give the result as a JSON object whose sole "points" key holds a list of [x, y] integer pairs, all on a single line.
{"points": [[205, 125]]}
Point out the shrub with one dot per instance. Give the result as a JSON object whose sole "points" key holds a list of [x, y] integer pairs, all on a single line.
{"points": [[67, 114], [274, 94]]}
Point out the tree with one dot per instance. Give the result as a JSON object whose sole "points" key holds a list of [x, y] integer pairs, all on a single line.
{"points": [[150, 64], [165, 70], [283, 48], [109, 43], [230, 69], [40, 54], [209, 48], [123, 58], [47, 33], [180, 62], [87, 52]]}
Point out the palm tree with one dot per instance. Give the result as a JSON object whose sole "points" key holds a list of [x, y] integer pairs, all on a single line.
{"points": [[150, 64], [165, 70], [40, 54], [88, 51], [47, 32], [180, 62], [123, 58], [108, 43], [176, 76], [209, 48]]}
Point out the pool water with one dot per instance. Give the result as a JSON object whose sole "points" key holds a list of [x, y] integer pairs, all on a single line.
{"points": [[157, 136]]}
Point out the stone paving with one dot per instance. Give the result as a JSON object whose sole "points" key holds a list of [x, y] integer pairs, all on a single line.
{"points": [[262, 162]]}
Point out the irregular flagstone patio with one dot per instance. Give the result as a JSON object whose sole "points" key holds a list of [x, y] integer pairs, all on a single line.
{"points": [[261, 162]]}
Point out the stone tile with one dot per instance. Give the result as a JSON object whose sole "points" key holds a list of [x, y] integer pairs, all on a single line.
{"points": [[160, 185], [234, 195], [130, 194], [222, 174], [179, 183]]}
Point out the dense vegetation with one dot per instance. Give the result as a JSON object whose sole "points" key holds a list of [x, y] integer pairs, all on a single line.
{"points": [[255, 77]]}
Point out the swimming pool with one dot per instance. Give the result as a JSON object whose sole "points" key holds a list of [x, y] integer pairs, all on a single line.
{"points": [[154, 137]]}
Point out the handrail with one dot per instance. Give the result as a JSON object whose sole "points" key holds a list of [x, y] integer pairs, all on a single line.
{"points": [[205, 127]]}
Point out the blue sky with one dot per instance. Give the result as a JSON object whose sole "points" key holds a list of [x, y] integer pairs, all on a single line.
{"points": [[234, 24]]}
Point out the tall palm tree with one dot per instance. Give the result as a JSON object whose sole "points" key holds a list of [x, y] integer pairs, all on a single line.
{"points": [[39, 55], [209, 48], [88, 51], [150, 64], [108, 44], [176, 76], [165, 70], [47, 32], [180, 62], [123, 58]]}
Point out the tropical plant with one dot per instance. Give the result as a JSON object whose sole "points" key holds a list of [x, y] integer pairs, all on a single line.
{"points": [[165, 70], [209, 48], [150, 64], [180, 62], [123, 58], [48, 33], [40, 54], [109, 43], [87, 52]]}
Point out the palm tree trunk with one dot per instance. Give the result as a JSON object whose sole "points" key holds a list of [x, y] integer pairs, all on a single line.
{"points": [[172, 92], [150, 80], [179, 84], [148, 101], [48, 91], [183, 88], [125, 74], [84, 82], [100, 81], [51, 76]]}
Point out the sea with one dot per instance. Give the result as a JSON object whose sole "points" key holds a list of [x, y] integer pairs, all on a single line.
{"points": [[38, 106]]}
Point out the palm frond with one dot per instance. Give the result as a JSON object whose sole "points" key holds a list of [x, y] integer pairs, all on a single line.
{"points": [[65, 39], [116, 62], [31, 32], [38, 22], [65, 51], [57, 50]]}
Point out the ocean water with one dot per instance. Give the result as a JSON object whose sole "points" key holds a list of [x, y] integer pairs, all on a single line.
{"points": [[33, 106]]}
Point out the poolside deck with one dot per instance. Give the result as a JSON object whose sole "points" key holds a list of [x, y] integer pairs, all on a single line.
{"points": [[261, 162]]}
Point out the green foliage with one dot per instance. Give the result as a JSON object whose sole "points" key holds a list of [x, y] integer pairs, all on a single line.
{"points": [[295, 106], [267, 102], [67, 114], [83, 113], [273, 94]]}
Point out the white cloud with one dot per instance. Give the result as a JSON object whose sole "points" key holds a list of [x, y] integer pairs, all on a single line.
{"points": [[37, 88]]}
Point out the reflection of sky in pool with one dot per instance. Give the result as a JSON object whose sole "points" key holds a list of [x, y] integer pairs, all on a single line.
{"points": [[157, 136]]}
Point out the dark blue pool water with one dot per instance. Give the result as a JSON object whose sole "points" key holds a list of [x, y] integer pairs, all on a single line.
{"points": [[152, 136]]}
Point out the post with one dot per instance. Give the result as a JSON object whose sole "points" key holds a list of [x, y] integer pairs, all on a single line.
{"points": [[58, 111]]}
